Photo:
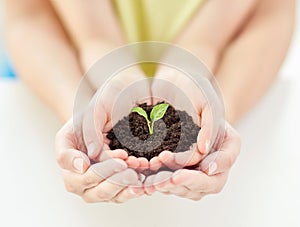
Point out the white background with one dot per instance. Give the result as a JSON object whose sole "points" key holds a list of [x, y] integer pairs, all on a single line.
{"points": [[263, 188]]}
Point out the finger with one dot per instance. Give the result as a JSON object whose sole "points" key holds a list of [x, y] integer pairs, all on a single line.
{"points": [[72, 182], [162, 179], [105, 146], [162, 80], [101, 171], [198, 181], [93, 124], [222, 161], [188, 158], [132, 162], [167, 158], [113, 185], [108, 154], [204, 139], [129, 193], [195, 196], [170, 188], [73, 160], [155, 164], [148, 185], [66, 155], [143, 164]]}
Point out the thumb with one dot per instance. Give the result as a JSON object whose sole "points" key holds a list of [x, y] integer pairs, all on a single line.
{"points": [[92, 126]]}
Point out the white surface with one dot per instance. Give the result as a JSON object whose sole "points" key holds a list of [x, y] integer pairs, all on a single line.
{"points": [[263, 189]]}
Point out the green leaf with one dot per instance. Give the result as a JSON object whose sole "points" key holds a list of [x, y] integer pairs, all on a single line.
{"points": [[140, 111], [158, 111], [143, 113]]}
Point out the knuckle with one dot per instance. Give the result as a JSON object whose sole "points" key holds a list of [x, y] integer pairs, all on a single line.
{"points": [[88, 181]]}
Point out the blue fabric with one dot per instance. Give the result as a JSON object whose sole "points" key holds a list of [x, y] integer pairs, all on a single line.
{"points": [[6, 69]]}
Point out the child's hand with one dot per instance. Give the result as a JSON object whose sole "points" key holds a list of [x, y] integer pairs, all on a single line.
{"points": [[208, 124], [210, 178]]}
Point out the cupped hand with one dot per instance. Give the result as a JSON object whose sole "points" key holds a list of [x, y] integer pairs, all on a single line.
{"points": [[108, 181], [176, 87], [209, 178], [105, 109], [90, 168]]}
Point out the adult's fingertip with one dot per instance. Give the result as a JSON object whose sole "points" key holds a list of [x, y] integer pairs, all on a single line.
{"points": [[207, 146], [212, 168], [80, 164], [203, 145], [92, 151], [206, 163]]}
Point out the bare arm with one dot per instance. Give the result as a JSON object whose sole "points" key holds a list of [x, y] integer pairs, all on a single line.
{"points": [[53, 43], [251, 62], [244, 44], [42, 54], [92, 25]]}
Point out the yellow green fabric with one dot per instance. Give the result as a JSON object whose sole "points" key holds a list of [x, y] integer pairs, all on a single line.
{"points": [[154, 20]]}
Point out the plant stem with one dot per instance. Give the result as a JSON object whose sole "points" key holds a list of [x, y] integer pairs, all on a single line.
{"points": [[150, 128]]}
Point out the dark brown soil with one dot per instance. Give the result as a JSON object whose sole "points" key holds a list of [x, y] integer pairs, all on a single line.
{"points": [[175, 132]]}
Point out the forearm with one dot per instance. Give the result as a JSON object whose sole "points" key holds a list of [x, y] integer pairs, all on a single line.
{"points": [[251, 62], [43, 56]]}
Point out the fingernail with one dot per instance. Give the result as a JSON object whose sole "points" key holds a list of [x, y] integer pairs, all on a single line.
{"points": [[212, 168], [131, 191], [207, 146], [91, 150], [78, 164]]}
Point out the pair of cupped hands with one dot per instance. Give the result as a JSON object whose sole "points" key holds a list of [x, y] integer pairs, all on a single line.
{"points": [[97, 174]]}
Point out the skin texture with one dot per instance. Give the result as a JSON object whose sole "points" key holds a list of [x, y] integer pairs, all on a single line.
{"points": [[222, 32]]}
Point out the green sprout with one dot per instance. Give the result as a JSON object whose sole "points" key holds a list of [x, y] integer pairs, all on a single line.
{"points": [[157, 113]]}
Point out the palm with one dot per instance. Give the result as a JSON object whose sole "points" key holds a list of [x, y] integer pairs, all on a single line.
{"points": [[184, 94]]}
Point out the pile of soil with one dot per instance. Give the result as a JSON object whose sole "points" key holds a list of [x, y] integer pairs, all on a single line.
{"points": [[175, 132]]}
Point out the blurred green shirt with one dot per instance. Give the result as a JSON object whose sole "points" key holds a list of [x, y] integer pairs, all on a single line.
{"points": [[154, 20]]}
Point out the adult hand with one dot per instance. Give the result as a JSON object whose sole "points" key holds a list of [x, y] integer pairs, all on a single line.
{"points": [[209, 178], [82, 143], [109, 180]]}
